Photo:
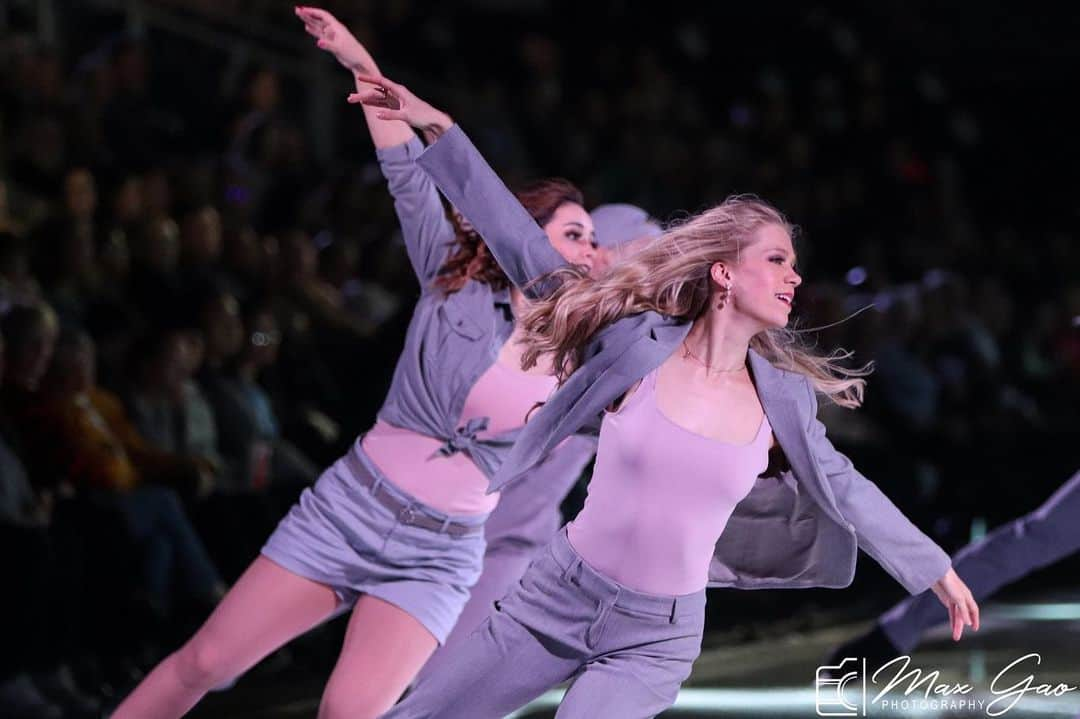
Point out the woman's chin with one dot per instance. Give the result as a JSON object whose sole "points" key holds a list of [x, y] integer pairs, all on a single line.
{"points": [[779, 322]]}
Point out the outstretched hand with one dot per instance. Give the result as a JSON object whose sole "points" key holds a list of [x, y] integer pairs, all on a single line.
{"points": [[957, 598], [335, 38], [396, 102]]}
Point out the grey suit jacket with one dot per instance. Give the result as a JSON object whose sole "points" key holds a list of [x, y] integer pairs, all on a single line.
{"points": [[798, 528]]}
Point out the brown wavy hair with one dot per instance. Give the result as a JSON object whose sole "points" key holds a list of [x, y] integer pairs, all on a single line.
{"points": [[670, 275], [470, 258]]}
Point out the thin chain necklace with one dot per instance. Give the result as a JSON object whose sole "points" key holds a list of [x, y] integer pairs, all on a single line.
{"points": [[708, 368]]}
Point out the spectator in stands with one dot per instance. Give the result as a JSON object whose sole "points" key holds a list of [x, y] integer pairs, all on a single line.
{"points": [[83, 433]]}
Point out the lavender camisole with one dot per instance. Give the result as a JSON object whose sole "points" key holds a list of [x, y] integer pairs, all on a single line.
{"points": [[660, 497]]}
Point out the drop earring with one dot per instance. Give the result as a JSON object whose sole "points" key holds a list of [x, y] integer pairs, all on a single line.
{"points": [[728, 293]]}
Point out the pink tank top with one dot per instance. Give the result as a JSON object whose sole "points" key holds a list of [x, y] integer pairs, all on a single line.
{"points": [[454, 484], [660, 497]]}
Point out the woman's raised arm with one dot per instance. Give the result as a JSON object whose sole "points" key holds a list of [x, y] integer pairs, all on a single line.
{"points": [[333, 37], [424, 225], [519, 245]]}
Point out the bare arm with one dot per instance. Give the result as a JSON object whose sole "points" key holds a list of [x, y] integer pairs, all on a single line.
{"points": [[463, 175], [425, 228], [332, 36]]}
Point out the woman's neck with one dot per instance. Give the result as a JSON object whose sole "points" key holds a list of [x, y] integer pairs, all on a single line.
{"points": [[716, 342]]}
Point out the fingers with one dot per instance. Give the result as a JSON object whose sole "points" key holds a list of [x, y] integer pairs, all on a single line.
{"points": [[372, 79], [392, 115], [372, 98], [313, 14], [383, 82], [394, 87], [386, 111], [964, 612], [309, 20]]}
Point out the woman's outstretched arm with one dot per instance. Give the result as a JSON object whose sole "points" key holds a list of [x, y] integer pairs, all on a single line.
{"points": [[424, 225], [883, 532]]}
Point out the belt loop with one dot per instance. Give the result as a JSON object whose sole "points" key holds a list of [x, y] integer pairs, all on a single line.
{"points": [[375, 484], [445, 524], [674, 609]]}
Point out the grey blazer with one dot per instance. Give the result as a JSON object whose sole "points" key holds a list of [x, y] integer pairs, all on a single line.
{"points": [[797, 528], [451, 340]]}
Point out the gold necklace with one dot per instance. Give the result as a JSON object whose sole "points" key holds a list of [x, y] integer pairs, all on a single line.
{"points": [[692, 356]]}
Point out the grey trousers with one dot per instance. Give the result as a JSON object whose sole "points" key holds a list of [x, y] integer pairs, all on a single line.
{"points": [[627, 652], [1011, 551]]}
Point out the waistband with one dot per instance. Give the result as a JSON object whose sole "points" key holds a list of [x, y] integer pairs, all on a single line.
{"points": [[604, 589], [404, 506]]}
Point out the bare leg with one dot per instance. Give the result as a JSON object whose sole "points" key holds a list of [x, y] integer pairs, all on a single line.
{"points": [[266, 608], [384, 649]]}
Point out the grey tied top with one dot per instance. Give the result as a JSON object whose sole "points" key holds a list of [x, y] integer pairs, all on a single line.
{"points": [[797, 528], [451, 339]]}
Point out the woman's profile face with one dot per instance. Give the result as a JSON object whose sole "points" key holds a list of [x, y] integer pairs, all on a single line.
{"points": [[462, 221], [764, 280], [570, 231]]}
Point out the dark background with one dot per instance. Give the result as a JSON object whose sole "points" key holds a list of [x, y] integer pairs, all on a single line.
{"points": [[928, 153]]}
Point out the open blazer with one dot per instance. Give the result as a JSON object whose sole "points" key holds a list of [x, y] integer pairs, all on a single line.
{"points": [[797, 528]]}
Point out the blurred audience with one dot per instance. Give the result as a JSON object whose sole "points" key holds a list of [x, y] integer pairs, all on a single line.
{"points": [[226, 307]]}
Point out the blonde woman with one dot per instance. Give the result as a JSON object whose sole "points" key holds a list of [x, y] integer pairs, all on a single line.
{"points": [[712, 469]]}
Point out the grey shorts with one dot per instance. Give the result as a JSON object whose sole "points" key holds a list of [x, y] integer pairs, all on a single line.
{"points": [[340, 534]]}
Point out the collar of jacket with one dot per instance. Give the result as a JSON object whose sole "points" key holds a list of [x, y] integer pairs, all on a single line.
{"points": [[501, 297], [624, 353]]}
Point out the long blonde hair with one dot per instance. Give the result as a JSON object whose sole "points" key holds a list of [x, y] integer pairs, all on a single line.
{"points": [[670, 275]]}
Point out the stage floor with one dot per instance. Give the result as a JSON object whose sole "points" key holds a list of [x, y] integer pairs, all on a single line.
{"points": [[777, 677]]}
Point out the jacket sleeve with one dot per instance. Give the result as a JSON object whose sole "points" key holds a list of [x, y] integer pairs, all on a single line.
{"points": [[883, 532], [519, 245], [424, 225]]}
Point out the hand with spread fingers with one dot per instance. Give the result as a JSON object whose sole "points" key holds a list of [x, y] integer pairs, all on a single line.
{"points": [[957, 598], [335, 38], [396, 102]]}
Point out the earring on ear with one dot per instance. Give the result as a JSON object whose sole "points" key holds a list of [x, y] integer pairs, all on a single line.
{"points": [[728, 291]]}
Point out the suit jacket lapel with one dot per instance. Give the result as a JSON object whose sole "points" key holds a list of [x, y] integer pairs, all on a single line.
{"points": [[777, 394], [621, 355]]}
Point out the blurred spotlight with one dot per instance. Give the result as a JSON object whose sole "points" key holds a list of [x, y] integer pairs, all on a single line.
{"points": [[935, 278], [855, 276], [740, 115]]}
